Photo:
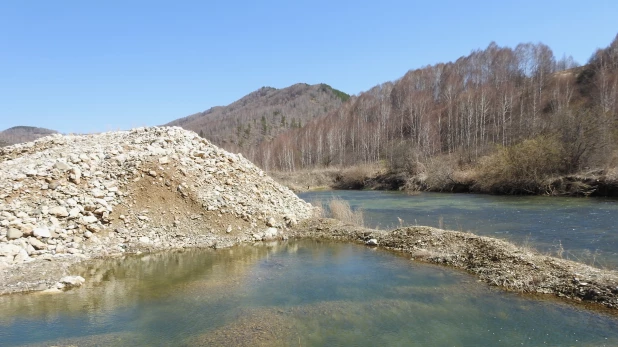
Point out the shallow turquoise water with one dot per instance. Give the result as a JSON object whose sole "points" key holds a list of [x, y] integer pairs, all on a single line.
{"points": [[586, 228], [304, 293]]}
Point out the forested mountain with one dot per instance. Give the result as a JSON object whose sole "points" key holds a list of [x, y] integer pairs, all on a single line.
{"points": [[495, 104], [20, 134], [262, 115]]}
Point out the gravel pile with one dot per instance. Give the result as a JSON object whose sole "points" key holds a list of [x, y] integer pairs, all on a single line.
{"points": [[67, 197]]}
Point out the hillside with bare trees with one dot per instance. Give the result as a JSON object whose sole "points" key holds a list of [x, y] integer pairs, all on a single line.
{"points": [[504, 120], [21, 134], [262, 115]]}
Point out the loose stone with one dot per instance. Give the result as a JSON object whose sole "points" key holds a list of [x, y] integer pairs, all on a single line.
{"points": [[13, 234], [371, 242], [41, 232]]}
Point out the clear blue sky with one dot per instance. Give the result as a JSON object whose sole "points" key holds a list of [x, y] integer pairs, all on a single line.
{"points": [[90, 66]]}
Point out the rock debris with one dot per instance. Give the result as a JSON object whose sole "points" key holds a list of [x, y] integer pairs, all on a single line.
{"points": [[67, 198]]}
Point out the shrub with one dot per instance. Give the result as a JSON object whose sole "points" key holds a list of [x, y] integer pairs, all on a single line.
{"points": [[521, 168], [341, 210], [404, 158], [356, 177]]}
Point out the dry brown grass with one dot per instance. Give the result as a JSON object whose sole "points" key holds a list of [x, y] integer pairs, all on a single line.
{"points": [[356, 177], [340, 209], [612, 173], [304, 180], [353, 177]]}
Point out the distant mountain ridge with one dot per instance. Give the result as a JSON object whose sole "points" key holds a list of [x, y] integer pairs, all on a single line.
{"points": [[21, 133], [262, 115]]}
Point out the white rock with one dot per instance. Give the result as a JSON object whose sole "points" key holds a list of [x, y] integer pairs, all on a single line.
{"points": [[9, 250], [144, 239], [59, 211], [270, 234], [372, 242], [290, 220], [36, 243], [22, 256], [74, 213], [41, 232], [72, 281], [95, 228], [98, 193], [62, 166], [73, 250], [76, 175], [89, 219], [13, 234]]}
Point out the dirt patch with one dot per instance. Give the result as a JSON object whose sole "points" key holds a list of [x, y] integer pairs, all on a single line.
{"points": [[159, 199]]}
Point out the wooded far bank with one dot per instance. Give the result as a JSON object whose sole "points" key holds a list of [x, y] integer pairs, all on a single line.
{"points": [[500, 120]]}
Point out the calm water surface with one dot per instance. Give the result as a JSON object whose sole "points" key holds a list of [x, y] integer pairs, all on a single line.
{"points": [[302, 293], [585, 228]]}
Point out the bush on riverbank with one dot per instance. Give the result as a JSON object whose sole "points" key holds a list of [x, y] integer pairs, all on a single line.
{"points": [[521, 169]]}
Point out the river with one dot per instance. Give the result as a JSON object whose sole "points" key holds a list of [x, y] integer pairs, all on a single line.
{"points": [[580, 229]]}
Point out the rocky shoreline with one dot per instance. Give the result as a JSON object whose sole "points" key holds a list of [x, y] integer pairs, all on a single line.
{"points": [[496, 262]]}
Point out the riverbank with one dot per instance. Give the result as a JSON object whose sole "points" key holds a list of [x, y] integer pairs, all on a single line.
{"points": [[496, 262], [598, 183]]}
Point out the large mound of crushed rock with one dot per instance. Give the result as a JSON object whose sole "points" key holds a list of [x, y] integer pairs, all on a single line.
{"points": [[155, 188]]}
